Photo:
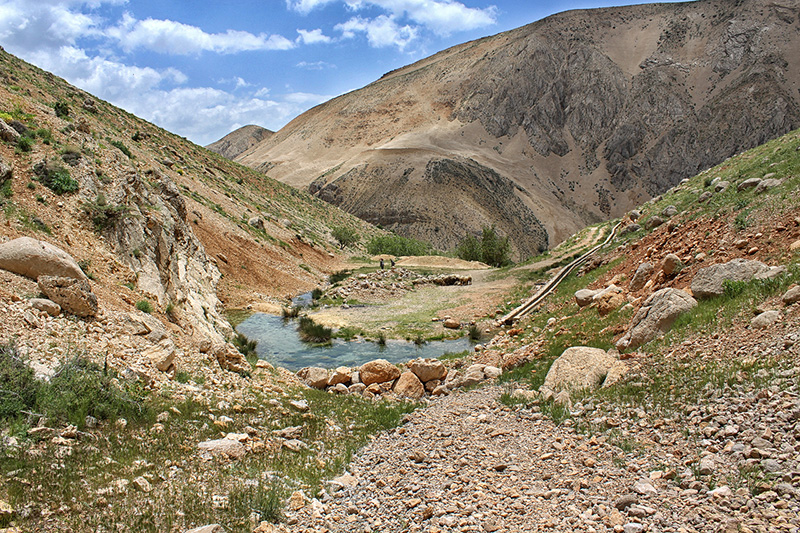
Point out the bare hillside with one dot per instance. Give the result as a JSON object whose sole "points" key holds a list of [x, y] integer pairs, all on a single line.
{"points": [[239, 141], [543, 129]]}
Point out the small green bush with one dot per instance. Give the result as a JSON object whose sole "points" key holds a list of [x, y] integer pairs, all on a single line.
{"points": [[316, 294], [122, 148], [61, 109], [474, 332], [246, 347], [345, 236], [81, 388], [55, 177], [341, 275], [24, 144], [104, 215], [18, 386], [144, 306], [310, 331]]}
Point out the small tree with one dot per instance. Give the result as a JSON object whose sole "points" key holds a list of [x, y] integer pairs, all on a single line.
{"points": [[490, 248], [345, 236]]}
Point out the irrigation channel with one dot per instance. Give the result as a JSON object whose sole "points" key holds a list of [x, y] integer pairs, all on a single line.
{"points": [[280, 344]]}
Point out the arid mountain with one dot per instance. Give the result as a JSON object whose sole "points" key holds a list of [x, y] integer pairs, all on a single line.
{"points": [[543, 129], [239, 141]]}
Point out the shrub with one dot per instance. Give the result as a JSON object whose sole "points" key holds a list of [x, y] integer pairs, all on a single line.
{"points": [[144, 306], [104, 215], [310, 331], [396, 245], [345, 236], [45, 135], [474, 332], [5, 189], [81, 388], [18, 386], [247, 347], [61, 109], [291, 312], [24, 144], [490, 248], [122, 148], [55, 177], [316, 294], [336, 277]]}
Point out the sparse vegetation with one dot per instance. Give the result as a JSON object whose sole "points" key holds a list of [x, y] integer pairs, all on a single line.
{"points": [[105, 216], [144, 306], [55, 177], [345, 236], [61, 109], [122, 148], [246, 347], [310, 331]]}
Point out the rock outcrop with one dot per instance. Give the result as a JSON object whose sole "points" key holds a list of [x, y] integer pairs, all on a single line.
{"points": [[709, 282], [656, 317], [75, 296]]}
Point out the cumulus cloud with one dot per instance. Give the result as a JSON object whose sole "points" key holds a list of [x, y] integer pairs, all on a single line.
{"points": [[312, 37], [381, 31], [170, 37], [442, 17]]}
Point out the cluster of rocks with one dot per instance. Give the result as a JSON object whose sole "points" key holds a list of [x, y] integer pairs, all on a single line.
{"points": [[380, 378], [759, 184], [391, 283], [59, 277]]}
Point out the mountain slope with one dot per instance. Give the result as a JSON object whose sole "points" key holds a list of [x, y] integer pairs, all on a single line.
{"points": [[581, 116], [239, 141], [152, 216]]}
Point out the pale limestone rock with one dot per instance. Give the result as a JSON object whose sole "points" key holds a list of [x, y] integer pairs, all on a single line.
{"points": [[73, 295], [161, 355], [233, 449], [656, 317], [708, 282], [33, 258], [314, 376], [48, 306], [341, 375], [580, 367], [428, 369]]}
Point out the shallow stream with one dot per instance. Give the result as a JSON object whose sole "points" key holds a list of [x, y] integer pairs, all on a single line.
{"points": [[279, 344]]}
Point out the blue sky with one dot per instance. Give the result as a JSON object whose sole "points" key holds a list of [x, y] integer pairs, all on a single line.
{"points": [[204, 68]]}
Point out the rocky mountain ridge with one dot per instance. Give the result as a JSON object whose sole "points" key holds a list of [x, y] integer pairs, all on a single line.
{"points": [[239, 141], [576, 118]]}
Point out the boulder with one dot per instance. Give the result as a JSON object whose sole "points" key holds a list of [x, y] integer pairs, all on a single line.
{"points": [[704, 197], [670, 211], [671, 265], [48, 306], [654, 222], [256, 222], [428, 369], [708, 282], [720, 186], [409, 386], [656, 317], [453, 379], [7, 133], [73, 295], [161, 355], [473, 375], [792, 296], [610, 301], [6, 172], [492, 372], [341, 375], [748, 184], [314, 376], [765, 319], [139, 323], [230, 358], [451, 323], [641, 276], [378, 371], [584, 297], [767, 184], [33, 258], [231, 448], [580, 367], [634, 215], [630, 228]]}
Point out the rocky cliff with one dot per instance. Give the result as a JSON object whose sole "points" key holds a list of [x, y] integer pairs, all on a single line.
{"points": [[581, 116], [239, 141]]}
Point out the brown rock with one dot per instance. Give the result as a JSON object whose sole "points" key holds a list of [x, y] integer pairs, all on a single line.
{"points": [[378, 371], [428, 369], [671, 265], [314, 376], [230, 448], [73, 295], [341, 375], [229, 358], [452, 323], [410, 386], [161, 355]]}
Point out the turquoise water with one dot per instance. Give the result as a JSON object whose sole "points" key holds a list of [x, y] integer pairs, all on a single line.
{"points": [[279, 344]]}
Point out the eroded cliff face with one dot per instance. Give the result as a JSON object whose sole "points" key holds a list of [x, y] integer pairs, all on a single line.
{"points": [[588, 113]]}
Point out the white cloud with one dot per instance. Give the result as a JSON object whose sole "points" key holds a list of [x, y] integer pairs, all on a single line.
{"points": [[312, 37], [315, 65], [381, 31], [170, 37], [440, 16]]}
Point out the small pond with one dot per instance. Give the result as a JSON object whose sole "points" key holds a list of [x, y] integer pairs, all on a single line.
{"points": [[279, 344]]}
